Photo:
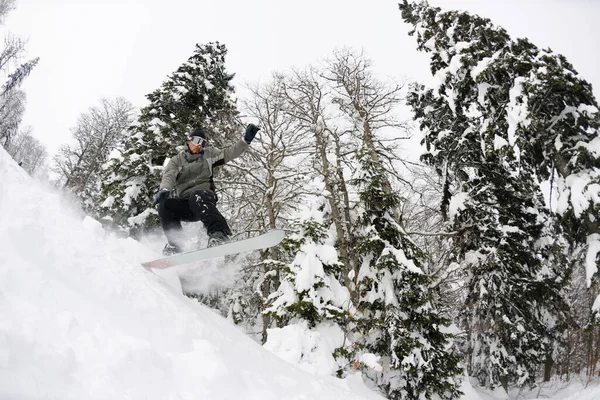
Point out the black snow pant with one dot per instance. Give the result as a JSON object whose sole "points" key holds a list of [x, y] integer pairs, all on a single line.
{"points": [[200, 206]]}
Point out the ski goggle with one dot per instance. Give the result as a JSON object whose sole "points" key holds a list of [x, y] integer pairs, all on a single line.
{"points": [[198, 140]]}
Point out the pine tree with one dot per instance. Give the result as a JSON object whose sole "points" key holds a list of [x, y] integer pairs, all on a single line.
{"points": [[389, 283], [485, 137], [311, 297], [198, 93], [397, 319], [310, 289]]}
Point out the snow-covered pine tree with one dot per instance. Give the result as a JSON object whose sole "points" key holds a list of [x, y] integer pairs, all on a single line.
{"points": [[396, 320], [478, 132], [198, 93], [310, 289], [311, 303], [394, 298]]}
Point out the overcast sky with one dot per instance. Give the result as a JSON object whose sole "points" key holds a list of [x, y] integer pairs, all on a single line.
{"points": [[91, 49]]}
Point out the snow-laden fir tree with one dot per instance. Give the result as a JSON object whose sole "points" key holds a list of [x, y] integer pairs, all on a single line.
{"points": [[396, 320], [394, 299], [495, 129], [311, 302], [198, 93]]}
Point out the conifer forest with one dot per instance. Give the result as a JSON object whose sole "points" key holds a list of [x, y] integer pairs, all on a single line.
{"points": [[433, 231]]}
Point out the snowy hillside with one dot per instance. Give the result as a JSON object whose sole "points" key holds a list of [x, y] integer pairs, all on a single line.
{"points": [[81, 319]]}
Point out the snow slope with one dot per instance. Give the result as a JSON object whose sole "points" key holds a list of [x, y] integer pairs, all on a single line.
{"points": [[81, 319]]}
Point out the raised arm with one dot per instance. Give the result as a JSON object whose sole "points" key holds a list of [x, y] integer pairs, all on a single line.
{"points": [[219, 157]]}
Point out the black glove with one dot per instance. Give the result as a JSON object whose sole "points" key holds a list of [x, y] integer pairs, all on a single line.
{"points": [[251, 130], [161, 196]]}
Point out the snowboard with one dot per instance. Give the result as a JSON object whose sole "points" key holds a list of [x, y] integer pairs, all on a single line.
{"points": [[259, 242]]}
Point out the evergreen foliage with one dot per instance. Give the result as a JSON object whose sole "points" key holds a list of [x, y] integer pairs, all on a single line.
{"points": [[397, 320], [311, 304], [310, 289], [198, 93], [495, 142]]}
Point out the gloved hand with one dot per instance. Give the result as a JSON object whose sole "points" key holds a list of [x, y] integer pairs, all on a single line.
{"points": [[251, 130], [161, 196]]}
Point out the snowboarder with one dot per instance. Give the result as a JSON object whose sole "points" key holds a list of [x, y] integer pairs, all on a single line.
{"points": [[187, 189]]}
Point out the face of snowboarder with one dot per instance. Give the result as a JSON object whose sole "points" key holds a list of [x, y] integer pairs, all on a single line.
{"points": [[196, 143]]}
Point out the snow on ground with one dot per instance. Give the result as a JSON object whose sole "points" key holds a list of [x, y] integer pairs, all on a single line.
{"points": [[556, 390], [81, 319]]}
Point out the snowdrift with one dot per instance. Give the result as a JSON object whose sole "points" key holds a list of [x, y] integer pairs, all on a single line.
{"points": [[81, 319]]}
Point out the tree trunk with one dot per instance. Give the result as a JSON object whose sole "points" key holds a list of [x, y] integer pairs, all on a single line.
{"points": [[504, 382], [272, 253], [336, 214], [353, 263], [548, 364]]}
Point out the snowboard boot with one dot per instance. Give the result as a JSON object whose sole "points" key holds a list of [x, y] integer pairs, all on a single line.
{"points": [[170, 250], [217, 238]]}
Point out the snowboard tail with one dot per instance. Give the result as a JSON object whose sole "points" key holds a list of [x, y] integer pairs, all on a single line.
{"points": [[264, 241]]}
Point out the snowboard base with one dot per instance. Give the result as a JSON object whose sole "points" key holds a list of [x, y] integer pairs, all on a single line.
{"points": [[264, 241]]}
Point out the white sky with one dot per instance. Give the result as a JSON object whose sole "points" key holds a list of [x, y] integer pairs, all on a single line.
{"points": [[90, 49]]}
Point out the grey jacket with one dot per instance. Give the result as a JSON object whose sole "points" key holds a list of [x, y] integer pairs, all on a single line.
{"points": [[187, 172]]}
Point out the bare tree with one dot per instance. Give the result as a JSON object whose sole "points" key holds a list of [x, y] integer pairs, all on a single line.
{"points": [[28, 151], [98, 132], [12, 108], [309, 102], [262, 192], [276, 174], [370, 105]]}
